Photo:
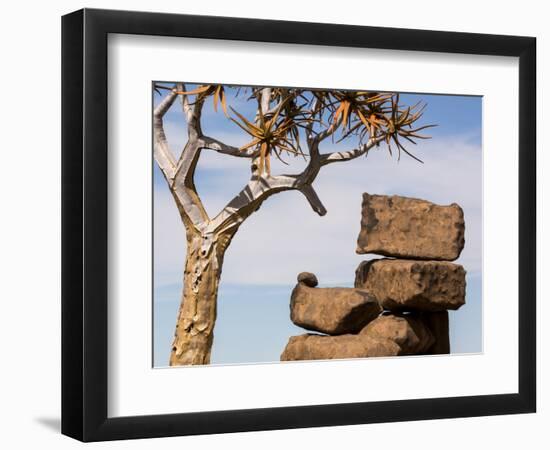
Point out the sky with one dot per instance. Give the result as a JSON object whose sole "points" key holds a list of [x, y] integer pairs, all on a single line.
{"points": [[286, 237]]}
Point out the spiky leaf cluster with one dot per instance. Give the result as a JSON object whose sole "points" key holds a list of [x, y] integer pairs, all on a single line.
{"points": [[336, 113]]}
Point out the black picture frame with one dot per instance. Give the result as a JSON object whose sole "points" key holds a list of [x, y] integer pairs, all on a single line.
{"points": [[84, 224]]}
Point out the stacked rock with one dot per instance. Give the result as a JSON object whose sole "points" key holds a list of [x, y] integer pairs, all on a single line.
{"points": [[400, 303]]}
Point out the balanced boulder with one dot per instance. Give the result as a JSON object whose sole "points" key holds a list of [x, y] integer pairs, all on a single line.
{"points": [[314, 346], [408, 331], [409, 285], [308, 278], [332, 310], [405, 227]]}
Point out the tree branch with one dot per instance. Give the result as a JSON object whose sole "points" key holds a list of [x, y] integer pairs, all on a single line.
{"points": [[186, 106], [265, 100], [313, 199], [327, 132], [179, 176], [192, 112], [210, 143], [328, 158], [189, 156], [184, 183], [250, 198], [163, 155]]}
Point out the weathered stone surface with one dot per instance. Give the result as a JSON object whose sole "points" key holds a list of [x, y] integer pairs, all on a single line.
{"points": [[410, 228], [332, 310], [438, 323], [408, 285], [387, 335], [311, 346], [308, 278], [408, 331]]}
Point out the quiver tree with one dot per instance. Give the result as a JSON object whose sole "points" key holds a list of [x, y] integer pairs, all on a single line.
{"points": [[287, 122]]}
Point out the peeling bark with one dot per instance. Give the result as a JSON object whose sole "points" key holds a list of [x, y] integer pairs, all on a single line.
{"points": [[197, 314]]}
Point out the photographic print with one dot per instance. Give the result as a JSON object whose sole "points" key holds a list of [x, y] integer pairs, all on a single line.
{"points": [[296, 224], [344, 209]]}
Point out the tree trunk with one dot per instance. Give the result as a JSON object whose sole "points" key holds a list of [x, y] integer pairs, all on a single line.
{"points": [[197, 314]]}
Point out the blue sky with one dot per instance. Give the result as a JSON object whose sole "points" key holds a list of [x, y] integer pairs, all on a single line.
{"points": [[253, 322]]}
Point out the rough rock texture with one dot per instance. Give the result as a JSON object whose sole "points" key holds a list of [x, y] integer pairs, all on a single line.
{"points": [[408, 331], [311, 346], [407, 285], [410, 228], [332, 310], [308, 278], [438, 323]]}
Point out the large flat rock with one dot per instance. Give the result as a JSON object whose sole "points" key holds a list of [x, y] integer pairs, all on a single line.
{"points": [[409, 285], [310, 346], [408, 331], [406, 227], [387, 335], [332, 310]]}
